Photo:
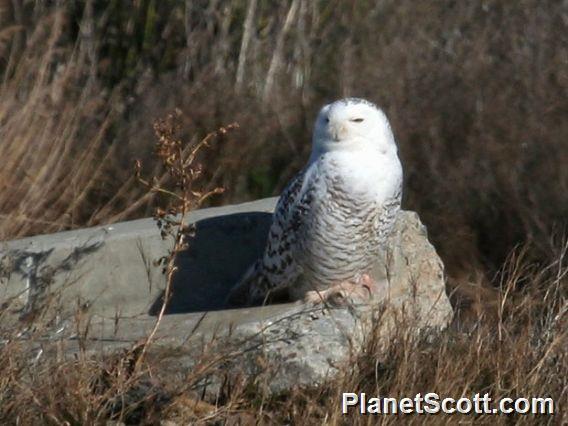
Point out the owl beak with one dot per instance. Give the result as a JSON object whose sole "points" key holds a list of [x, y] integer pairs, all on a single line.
{"points": [[337, 132]]}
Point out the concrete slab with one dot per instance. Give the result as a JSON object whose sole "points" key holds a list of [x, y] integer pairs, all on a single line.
{"points": [[111, 268]]}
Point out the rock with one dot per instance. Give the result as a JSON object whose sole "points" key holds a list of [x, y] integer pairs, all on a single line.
{"points": [[109, 271], [307, 345]]}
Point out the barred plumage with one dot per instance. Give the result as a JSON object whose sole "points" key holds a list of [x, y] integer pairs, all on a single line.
{"points": [[334, 216]]}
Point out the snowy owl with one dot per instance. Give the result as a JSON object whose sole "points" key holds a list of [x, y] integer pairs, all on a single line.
{"points": [[334, 216]]}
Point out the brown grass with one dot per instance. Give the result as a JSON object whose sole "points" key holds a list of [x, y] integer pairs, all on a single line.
{"points": [[521, 354], [477, 95]]}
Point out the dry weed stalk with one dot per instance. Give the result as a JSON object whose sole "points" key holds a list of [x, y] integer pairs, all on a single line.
{"points": [[179, 186]]}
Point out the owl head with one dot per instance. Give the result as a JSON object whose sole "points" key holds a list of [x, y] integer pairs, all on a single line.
{"points": [[352, 124]]}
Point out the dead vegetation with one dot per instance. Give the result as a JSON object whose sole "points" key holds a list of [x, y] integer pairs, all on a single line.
{"points": [[179, 186], [521, 354], [477, 93]]}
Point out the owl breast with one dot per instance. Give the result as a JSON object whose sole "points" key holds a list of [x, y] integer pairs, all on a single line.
{"points": [[348, 222]]}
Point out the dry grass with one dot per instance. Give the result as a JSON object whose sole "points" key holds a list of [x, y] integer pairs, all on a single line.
{"points": [[477, 95], [521, 354]]}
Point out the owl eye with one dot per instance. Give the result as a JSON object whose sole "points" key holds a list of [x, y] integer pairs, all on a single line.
{"points": [[357, 120], [327, 119]]}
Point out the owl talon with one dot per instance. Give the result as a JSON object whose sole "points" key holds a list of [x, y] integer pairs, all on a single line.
{"points": [[362, 288], [313, 298], [368, 284]]}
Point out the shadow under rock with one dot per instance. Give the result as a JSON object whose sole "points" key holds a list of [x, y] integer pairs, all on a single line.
{"points": [[219, 254]]}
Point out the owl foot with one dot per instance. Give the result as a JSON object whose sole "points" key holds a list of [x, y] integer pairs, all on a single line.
{"points": [[362, 289]]}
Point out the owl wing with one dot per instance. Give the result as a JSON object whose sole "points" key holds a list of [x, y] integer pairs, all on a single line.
{"points": [[277, 269]]}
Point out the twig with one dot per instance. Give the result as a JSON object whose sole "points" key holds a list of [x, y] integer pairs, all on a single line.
{"points": [[182, 172]]}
